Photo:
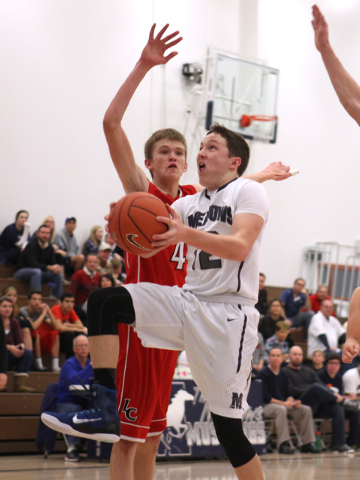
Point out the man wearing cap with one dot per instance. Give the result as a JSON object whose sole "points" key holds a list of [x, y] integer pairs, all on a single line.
{"points": [[83, 282], [68, 247], [104, 258]]}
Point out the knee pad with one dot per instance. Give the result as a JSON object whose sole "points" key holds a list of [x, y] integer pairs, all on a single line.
{"points": [[106, 308], [233, 440]]}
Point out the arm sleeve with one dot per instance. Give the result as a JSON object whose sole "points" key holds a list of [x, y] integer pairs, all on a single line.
{"points": [[323, 338], [252, 198], [342, 338], [16, 331], [59, 241]]}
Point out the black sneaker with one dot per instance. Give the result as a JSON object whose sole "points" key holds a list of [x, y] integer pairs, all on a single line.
{"points": [[101, 422], [309, 448], [342, 449], [286, 448], [72, 456]]}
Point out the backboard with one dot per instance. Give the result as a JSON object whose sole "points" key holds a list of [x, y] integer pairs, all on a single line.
{"points": [[242, 96]]}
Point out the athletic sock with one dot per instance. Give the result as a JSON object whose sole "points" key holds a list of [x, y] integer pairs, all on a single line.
{"points": [[105, 377], [55, 364], [39, 363]]}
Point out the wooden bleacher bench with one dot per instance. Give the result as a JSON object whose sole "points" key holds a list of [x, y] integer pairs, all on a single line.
{"points": [[19, 415]]}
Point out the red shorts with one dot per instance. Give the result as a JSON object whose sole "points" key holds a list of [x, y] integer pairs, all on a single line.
{"points": [[144, 380], [47, 339]]}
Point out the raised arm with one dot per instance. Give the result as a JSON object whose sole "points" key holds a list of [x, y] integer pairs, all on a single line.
{"points": [[345, 86], [131, 175]]}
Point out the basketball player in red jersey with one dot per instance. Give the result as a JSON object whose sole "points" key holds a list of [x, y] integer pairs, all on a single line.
{"points": [[144, 375]]}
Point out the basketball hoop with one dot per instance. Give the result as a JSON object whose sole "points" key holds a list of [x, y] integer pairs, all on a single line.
{"points": [[246, 120]]}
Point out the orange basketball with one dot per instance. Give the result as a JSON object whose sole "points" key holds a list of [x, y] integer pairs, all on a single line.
{"points": [[134, 223]]}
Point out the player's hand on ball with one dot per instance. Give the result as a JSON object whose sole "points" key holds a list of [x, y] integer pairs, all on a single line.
{"points": [[175, 233], [350, 350]]}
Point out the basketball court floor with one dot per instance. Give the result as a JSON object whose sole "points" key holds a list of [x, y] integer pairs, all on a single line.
{"points": [[329, 466]]}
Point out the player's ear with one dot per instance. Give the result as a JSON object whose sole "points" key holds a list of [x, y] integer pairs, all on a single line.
{"points": [[235, 162], [185, 167], [148, 164]]}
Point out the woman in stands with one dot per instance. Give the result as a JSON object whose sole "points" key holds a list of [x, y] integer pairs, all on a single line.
{"points": [[106, 281], [93, 242], [18, 356], [25, 325]]}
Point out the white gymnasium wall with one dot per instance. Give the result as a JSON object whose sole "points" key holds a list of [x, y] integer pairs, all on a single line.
{"points": [[63, 60]]}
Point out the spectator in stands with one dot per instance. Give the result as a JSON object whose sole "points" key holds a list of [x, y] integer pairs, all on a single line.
{"points": [[67, 323], [76, 371], [106, 281], [116, 251], [306, 386], [18, 356], [83, 282], [318, 360], [11, 293], [45, 339], [262, 305], [321, 294], [332, 378], [3, 359], [278, 340], [93, 242], [258, 356], [279, 404], [104, 265], [325, 331], [68, 247], [116, 268], [294, 300], [49, 221], [268, 322], [13, 238], [351, 380], [37, 263]]}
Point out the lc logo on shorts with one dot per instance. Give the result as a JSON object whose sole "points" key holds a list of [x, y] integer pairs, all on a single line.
{"points": [[236, 401], [130, 412]]}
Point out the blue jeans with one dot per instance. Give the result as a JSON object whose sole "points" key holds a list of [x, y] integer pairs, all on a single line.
{"points": [[22, 363], [68, 407], [37, 277]]}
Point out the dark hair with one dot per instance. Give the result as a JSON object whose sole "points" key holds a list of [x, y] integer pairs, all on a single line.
{"points": [[33, 292], [109, 277], [275, 300], [237, 145], [168, 133], [66, 295], [262, 275], [90, 255], [299, 278], [20, 212], [333, 356], [43, 226]]}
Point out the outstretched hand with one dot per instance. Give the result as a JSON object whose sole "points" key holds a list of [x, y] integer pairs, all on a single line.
{"points": [[154, 51], [278, 171], [320, 28]]}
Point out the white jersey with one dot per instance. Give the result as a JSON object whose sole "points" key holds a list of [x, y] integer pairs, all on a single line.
{"points": [[226, 281]]}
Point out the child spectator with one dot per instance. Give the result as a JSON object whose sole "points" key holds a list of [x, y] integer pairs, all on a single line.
{"points": [[318, 360], [279, 340]]}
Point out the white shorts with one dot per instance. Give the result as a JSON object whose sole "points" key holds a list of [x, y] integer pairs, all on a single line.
{"points": [[219, 340]]}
